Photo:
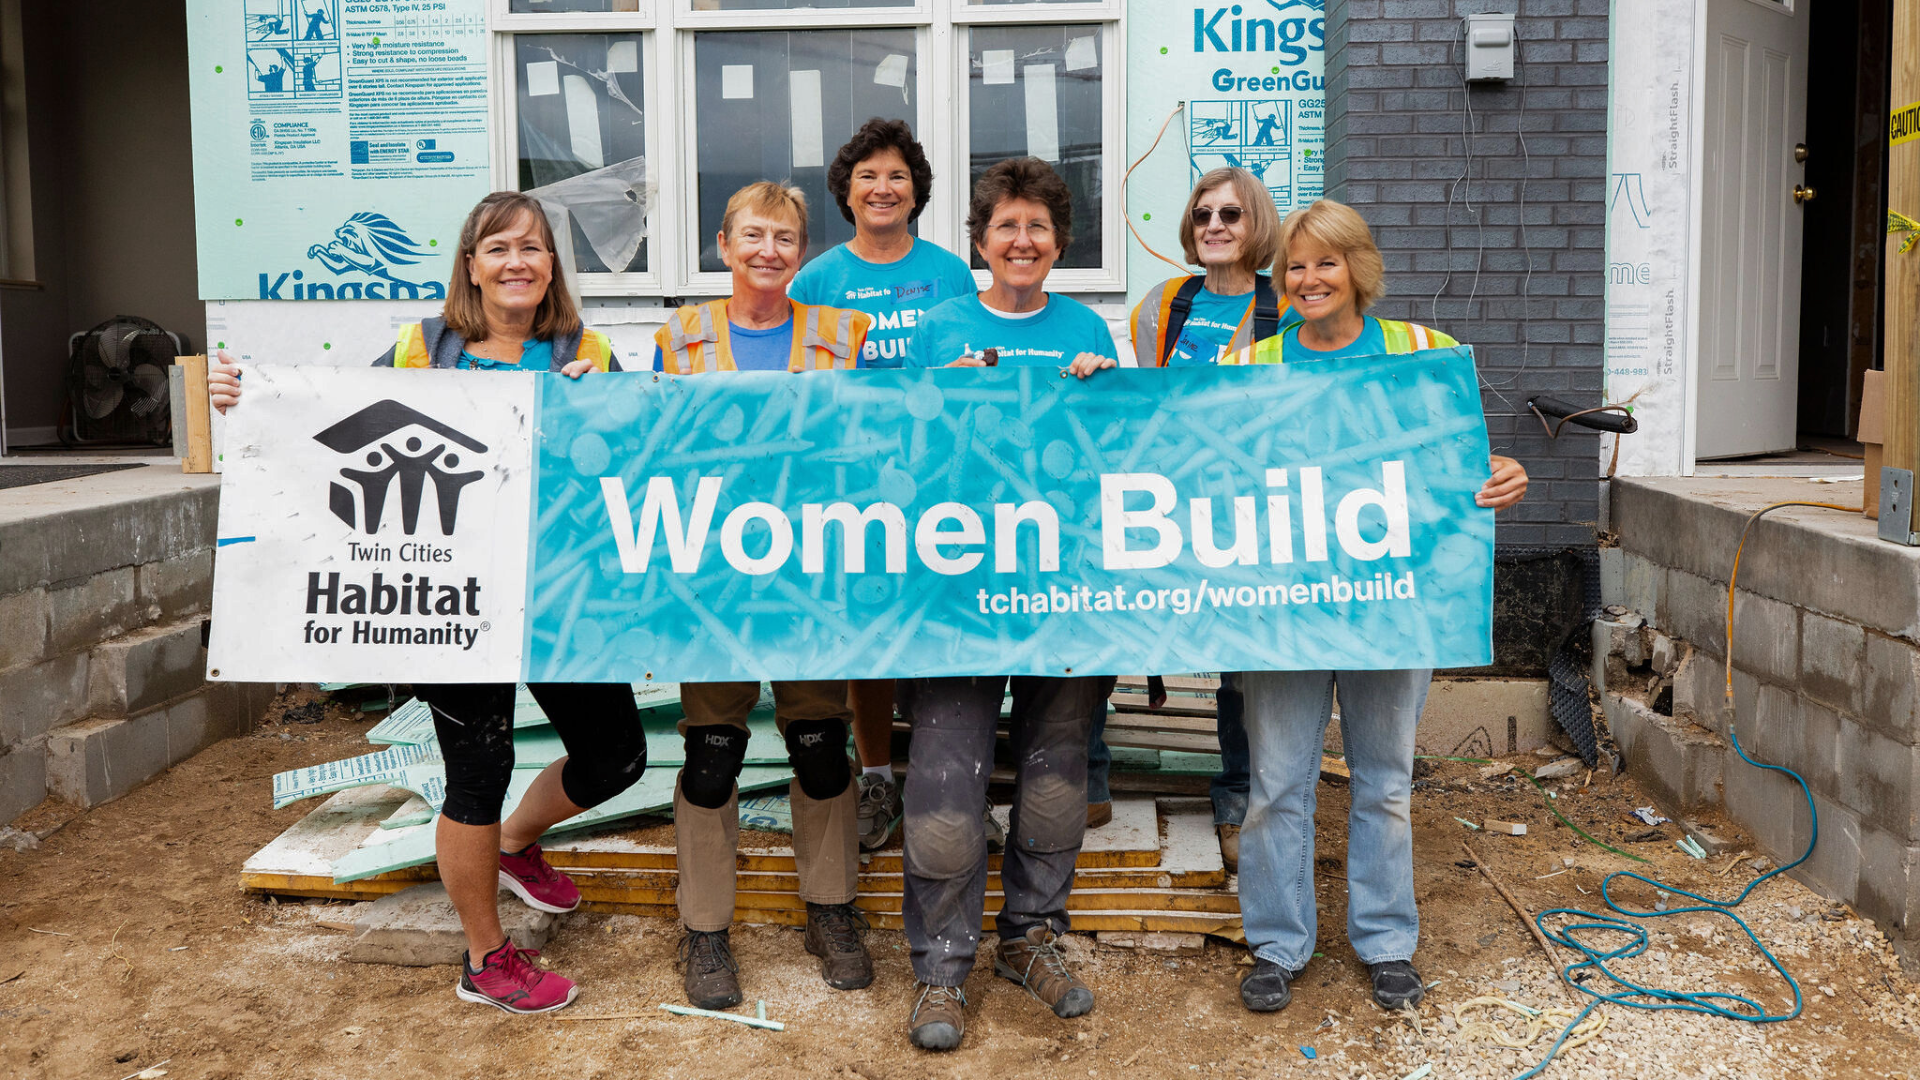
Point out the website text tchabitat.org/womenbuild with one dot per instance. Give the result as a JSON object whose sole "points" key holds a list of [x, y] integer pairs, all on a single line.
{"points": [[951, 538]]}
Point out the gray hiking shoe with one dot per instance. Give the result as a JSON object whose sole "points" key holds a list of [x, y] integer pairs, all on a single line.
{"points": [[1035, 962], [996, 833], [939, 1017], [879, 811]]}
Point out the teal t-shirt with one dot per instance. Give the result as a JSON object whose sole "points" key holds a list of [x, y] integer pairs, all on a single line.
{"points": [[535, 355], [1051, 337], [1371, 342], [1209, 328], [896, 294]]}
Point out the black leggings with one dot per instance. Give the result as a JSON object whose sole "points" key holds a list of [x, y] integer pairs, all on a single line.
{"points": [[598, 723]]}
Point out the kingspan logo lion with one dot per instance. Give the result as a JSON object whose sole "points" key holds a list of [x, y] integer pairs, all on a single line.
{"points": [[368, 243]]}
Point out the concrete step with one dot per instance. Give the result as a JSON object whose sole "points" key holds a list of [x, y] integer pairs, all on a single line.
{"points": [[102, 758], [135, 672]]}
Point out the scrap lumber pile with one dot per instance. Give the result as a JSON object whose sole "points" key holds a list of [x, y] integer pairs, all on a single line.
{"points": [[1156, 866]]}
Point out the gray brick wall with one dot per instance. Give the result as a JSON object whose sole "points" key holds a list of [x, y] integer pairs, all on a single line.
{"points": [[1395, 151]]}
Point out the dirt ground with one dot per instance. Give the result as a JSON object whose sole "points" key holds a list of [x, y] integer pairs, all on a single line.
{"points": [[126, 944]]}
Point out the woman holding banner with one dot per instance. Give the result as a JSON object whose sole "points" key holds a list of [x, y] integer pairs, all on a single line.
{"points": [[763, 235], [881, 181], [508, 309], [1020, 220], [1332, 272], [1231, 229]]}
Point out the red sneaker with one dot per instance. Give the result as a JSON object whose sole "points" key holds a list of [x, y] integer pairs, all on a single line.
{"points": [[533, 880], [509, 981]]}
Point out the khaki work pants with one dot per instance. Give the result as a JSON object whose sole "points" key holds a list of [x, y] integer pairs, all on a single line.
{"points": [[825, 833]]}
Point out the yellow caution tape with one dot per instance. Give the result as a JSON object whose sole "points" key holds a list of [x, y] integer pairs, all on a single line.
{"points": [[1904, 124], [1898, 222]]}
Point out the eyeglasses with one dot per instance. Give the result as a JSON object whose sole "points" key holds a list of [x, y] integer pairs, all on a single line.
{"points": [[1229, 215]]}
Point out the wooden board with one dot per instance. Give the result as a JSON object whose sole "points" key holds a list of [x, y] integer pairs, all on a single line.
{"points": [[199, 434], [1191, 684], [1087, 923]]}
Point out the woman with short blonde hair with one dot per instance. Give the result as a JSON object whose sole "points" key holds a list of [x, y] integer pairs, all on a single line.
{"points": [[1331, 272]]}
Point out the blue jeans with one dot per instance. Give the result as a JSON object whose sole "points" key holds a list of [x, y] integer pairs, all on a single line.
{"points": [[1287, 716], [1229, 789]]}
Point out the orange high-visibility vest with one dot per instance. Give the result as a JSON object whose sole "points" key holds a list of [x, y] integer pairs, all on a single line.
{"points": [[699, 338]]}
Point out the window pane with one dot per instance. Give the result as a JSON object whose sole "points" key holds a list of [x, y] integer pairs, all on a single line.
{"points": [[1035, 90], [543, 6], [777, 105], [583, 141], [754, 5]]}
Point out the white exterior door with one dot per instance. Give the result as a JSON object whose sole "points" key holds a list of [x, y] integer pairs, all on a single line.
{"points": [[1753, 115]]}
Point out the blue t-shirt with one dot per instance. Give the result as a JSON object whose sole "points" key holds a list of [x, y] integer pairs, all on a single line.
{"points": [[1209, 328], [753, 350], [1371, 342], [896, 294], [535, 355], [1052, 337]]}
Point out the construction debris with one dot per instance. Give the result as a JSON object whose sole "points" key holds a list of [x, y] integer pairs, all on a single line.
{"points": [[417, 927]]}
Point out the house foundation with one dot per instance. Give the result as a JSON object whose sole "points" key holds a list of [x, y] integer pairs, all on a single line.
{"points": [[105, 586], [1826, 677]]}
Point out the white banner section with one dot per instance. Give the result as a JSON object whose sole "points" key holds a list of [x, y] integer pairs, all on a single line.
{"points": [[373, 525]]}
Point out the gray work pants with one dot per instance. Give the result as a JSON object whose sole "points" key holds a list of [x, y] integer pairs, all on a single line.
{"points": [[944, 840]]}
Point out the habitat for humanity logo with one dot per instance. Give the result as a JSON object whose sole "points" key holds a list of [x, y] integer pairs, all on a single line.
{"points": [[374, 430], [368, 244]]}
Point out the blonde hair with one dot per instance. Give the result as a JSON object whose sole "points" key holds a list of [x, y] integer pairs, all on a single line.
{"points": [[1338, 228], [555, 317], [1263, 221], [769, 200]]}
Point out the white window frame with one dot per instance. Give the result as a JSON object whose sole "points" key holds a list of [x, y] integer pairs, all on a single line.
{"points": [[504, 116], [941, 43]]}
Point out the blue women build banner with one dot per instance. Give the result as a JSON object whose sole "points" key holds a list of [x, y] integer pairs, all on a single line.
{"points": [[954, 522], [450, 526]]}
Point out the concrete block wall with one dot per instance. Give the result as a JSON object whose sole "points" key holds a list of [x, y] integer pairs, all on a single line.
{"points": [[105, 587], [1492, 227], [1826, 679]]}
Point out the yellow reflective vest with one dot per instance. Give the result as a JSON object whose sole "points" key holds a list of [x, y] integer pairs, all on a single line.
{"points": [[1401, 338], [410, 349]]}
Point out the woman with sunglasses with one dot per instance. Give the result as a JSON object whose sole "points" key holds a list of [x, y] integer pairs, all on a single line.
{"points": [[1231, 230]]}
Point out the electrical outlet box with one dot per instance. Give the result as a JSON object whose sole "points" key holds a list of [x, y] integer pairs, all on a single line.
{"points": [[1489, 47]]}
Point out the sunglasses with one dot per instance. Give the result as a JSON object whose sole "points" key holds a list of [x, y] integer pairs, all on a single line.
{"points": [[1229, 215]]}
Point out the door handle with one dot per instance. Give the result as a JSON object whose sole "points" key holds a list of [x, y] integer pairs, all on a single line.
{"points": [[1802, 193], [1800, 152]]}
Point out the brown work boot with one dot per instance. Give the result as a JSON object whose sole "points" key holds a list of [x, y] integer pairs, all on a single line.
{"points": [[1035, 962], [1229, 846], [836, 933], [1099, 813], [939, 1017], [712, 976]]}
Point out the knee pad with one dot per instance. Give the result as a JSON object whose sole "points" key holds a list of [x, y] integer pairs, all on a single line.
{"points": [[944, 844], [1049, 814], [592, 780], [715, 753], [818, 752]]}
